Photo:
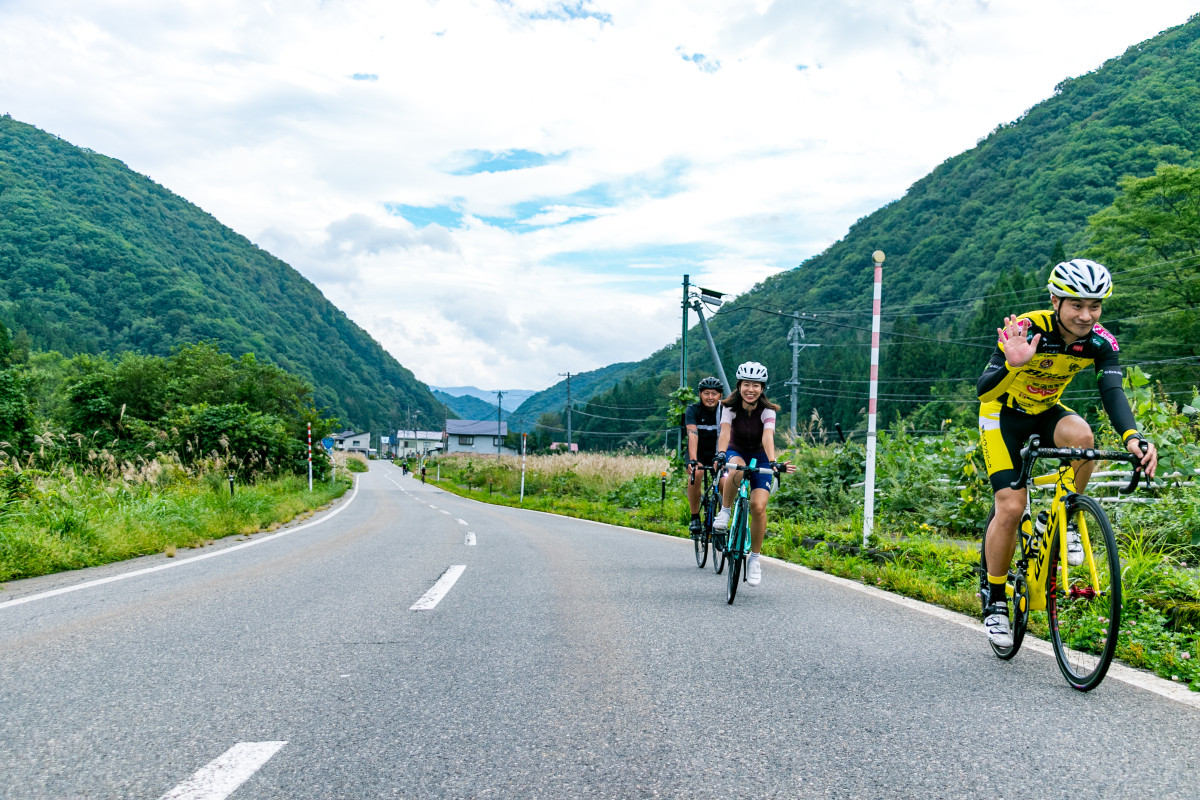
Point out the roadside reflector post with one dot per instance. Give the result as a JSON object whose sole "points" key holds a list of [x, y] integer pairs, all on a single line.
{"points": [[523, 435], [869, 487]]}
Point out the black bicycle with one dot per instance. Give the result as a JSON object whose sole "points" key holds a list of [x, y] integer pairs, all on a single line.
{"points": [[709, 504]]}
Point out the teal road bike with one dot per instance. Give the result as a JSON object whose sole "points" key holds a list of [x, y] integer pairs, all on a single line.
{"points": [[737, 546]]}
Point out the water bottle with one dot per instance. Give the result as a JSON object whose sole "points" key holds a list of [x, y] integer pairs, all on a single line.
{"points": [[1039, 529]]}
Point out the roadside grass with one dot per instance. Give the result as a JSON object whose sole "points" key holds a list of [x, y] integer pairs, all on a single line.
{"points": [[63, 522], [917, 558]]}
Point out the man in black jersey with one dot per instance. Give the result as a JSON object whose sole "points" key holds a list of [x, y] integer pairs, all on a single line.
{"points": [[1036, 356], [700, 420]]}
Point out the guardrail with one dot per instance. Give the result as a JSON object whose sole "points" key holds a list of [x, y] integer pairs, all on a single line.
{"points": [[1173, 480]]}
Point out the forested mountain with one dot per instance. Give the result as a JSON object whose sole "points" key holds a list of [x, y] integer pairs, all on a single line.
{"points": [[553, 400], [468, 406], [95, 258], [1109, 168]]}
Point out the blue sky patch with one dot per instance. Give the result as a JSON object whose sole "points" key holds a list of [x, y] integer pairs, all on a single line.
{"points": [[640, 264], [422, 216], [503, 161], [706, 64], [572, 10]]}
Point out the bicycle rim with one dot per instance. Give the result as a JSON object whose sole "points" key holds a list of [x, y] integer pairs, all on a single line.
{"points": [[735, 548], [718, 555], [731, 580], [700, 540], [1085, 617], [1018, 611]]}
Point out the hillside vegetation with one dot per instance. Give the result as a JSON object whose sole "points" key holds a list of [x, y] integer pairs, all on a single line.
{"points": [[1106, 168], [95, 258]]}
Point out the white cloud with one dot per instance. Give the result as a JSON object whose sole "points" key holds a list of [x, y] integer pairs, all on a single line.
{"points": [[725, 138]]}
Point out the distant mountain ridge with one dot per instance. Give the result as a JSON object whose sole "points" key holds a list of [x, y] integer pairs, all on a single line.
{"points": [[511, 401], [96, 258], [469, 406]]}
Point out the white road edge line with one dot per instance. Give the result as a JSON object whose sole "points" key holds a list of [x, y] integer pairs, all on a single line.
{"points": [[1138, 678], [439, 589], [462, 522], [184, 562], [222, 776], [1134, 677]]}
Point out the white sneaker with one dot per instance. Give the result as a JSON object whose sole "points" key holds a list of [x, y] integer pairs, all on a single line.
{"points": [[1074, 546], [721, 523], [753, 571], [996, 623]]}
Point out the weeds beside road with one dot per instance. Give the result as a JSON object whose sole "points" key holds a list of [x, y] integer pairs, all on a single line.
{"points": [[55, 522]]}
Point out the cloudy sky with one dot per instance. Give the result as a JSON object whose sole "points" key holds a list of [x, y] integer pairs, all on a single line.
{"points": [[503, 190]]}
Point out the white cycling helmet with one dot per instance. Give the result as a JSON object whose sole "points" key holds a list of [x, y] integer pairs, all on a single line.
{"points": [[1080, 277], [752, 371]]}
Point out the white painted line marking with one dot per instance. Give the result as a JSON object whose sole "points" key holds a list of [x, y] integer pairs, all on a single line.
{"points": [[222, 776], [1134, 677], [431, 505], [462, 522], [439, 589], [184, 562], [470, 538], [444, 511]]}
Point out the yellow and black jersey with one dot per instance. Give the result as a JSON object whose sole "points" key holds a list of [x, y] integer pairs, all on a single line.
{"points": [[1038, 386]]}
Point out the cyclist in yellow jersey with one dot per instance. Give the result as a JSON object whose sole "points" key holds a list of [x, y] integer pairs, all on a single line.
{"points": [[1037, 355]]}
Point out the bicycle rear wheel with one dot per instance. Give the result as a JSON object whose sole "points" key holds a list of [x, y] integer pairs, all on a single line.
{"points": [[700, 540], [1085, 617], [1018, 600], [711, 505]]}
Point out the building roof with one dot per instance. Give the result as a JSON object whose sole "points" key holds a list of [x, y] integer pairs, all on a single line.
{"points": [[411, 434], [471, 427]]}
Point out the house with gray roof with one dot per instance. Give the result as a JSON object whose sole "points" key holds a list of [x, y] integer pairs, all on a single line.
{"points": [[483, 437]]}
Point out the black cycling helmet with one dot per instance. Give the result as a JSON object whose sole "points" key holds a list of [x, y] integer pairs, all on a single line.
{"points": [[709, 383]]}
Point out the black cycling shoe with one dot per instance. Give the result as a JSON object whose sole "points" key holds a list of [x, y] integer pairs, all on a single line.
{"points": [[695, 527]]}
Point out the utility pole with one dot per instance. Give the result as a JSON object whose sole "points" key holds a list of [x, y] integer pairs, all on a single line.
{"points": [[568, 409], [794, 337], [712, 346], [499, 408], [683, 338]]}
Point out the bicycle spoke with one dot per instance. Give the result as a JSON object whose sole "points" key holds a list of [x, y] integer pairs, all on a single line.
{"points": [[1085, 609]]}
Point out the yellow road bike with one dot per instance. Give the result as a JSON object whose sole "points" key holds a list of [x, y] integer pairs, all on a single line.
{"points": [[1082, 604]]}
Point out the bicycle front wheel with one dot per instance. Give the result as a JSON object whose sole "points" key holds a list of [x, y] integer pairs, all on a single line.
{"points": [[731, 580], [1085, 614], [735, 548]]}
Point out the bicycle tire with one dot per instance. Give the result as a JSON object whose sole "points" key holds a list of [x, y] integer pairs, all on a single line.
{"points": [[711, 503], [735, 548], [1085, 619], [700, 541], [731, 580], [1019, 601]]}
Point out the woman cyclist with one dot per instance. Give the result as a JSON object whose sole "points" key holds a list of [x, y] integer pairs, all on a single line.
{"points": [[747, 431]]}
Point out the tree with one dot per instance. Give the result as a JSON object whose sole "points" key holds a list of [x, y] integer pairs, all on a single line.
{"points": [[1155, 221]]}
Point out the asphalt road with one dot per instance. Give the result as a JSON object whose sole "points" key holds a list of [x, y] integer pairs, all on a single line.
{"points": [[569, 659]]}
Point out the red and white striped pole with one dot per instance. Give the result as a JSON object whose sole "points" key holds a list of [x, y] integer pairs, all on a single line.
{"points": [[310, 456], [872, 406]]}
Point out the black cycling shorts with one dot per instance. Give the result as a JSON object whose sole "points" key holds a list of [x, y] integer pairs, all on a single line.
{"points": [[1003, 431]]}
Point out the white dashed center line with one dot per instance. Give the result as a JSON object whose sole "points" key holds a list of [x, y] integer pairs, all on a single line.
{"points": [[222, 776], [435, 594]]}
